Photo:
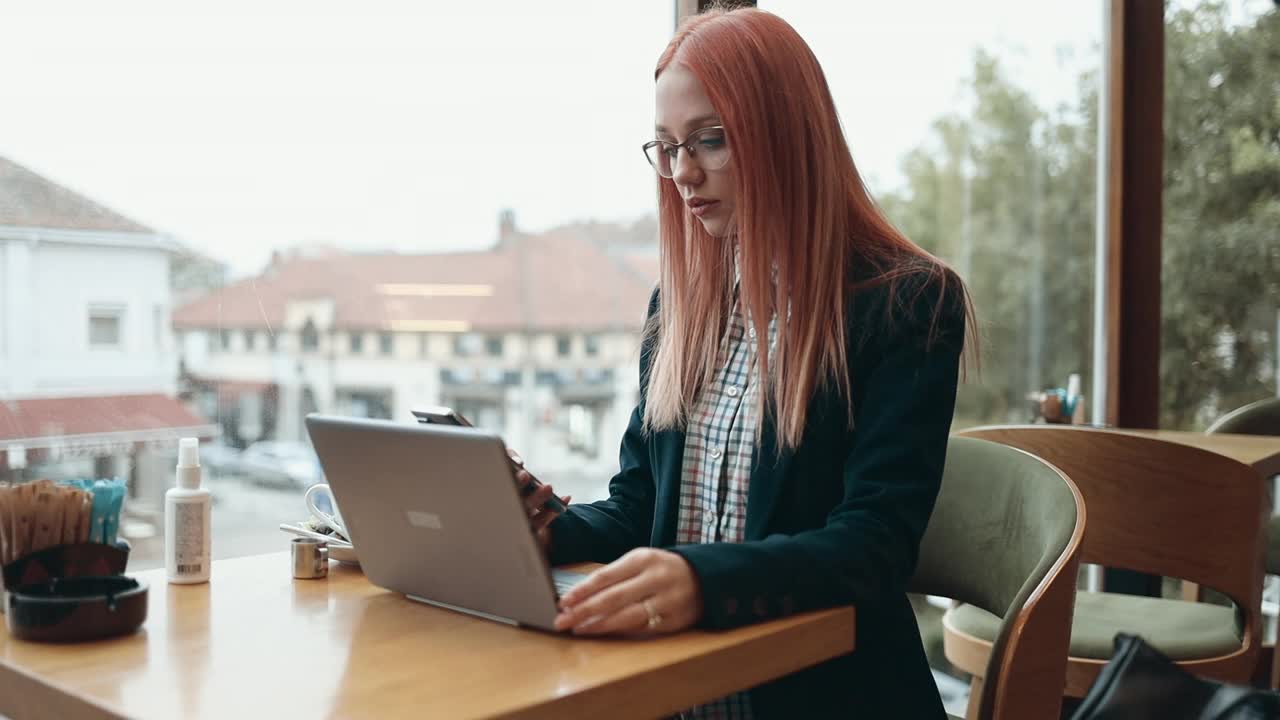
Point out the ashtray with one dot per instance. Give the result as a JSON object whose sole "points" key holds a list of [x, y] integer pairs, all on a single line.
{"points": [[76, 608]]}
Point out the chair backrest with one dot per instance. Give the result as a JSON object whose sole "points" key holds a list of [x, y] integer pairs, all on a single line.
{"points": [[1256, 418], [1159, 507], [1005, 536]]}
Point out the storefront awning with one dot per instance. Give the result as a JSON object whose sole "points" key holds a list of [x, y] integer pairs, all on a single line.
{"points": [[81, 423]]}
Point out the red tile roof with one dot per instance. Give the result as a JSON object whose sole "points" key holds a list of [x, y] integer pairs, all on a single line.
{"points": [[35, 418], [559, 280], [31, 200]]}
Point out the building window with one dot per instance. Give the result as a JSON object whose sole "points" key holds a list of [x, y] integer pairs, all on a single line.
{"points": [[215, 342], [424, 344], [271, 341], [493, 345], [357, 342], [467, 345], [105, 327], [249, 338], [563, 344], [386, 343], [591, 345], [310, 337], [224, 339]]}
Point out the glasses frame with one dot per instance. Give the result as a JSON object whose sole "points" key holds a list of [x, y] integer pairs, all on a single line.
{"points": [[688, 148]]}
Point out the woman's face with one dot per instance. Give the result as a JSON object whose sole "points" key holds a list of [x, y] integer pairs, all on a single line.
{"points": [[682, 109]]}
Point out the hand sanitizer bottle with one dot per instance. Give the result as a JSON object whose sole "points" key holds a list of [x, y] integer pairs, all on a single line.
{"points": [[187, 520]]}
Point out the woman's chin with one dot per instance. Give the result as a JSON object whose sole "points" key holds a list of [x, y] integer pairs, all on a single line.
{"points": [[715, 227]]}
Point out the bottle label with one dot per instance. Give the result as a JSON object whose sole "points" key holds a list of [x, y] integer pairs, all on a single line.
{"points": [[188, 538]]}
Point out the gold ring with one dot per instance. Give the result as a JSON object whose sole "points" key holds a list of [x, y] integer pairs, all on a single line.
{"points": [[654, 618]]}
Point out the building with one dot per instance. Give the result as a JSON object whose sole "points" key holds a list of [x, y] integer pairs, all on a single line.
{"points": [[537, 339], [88, 366]]}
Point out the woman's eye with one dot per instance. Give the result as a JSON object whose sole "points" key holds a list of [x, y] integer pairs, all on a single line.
{"points": [[670, 150]]}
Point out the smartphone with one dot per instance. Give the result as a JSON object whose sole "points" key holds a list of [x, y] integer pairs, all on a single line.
{"points": [[441, 415]]}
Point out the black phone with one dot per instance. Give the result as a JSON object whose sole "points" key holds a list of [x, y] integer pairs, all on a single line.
{"points": [[441, 415]]}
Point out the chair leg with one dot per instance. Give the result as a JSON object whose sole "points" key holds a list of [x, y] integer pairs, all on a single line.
{"points": [[1275, 667], [975, 698]]}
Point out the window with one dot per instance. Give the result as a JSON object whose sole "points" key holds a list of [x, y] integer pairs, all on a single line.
{"points": [[352, 238], [591, 345], [985, 153], [310, 336], [564, 344], [493, 345], [1220, 331], [468, 345], [105, 327]]}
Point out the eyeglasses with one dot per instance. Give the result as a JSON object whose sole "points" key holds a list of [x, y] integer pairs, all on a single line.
{"points": [[707, 147]]}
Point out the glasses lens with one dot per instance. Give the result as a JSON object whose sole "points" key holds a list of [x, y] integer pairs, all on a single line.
{"points": [[710, 148], [659, 154]]}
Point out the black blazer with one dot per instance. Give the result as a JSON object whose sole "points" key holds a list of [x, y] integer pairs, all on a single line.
{"points": [[836, 522]]}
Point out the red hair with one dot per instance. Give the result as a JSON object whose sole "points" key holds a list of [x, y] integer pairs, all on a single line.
{"points": [[805, 226]]}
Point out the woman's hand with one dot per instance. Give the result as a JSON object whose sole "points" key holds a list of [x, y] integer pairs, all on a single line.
{"points": [[645, 592], [535, 494]]}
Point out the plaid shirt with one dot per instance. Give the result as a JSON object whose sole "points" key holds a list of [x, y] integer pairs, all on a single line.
{"points": [[716, 468]]}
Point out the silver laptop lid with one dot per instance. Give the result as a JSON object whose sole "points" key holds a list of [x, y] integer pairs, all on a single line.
{"points": [[433, 512]]}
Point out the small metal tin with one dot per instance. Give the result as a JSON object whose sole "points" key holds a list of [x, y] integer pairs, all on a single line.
{"points": [[310, 558]]}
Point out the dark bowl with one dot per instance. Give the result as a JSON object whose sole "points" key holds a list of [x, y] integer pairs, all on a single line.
{"points": [[76, 609]]}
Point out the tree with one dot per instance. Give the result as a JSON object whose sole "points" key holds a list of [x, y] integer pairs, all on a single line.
{"points": [[1221, 284], [1006, 194]]}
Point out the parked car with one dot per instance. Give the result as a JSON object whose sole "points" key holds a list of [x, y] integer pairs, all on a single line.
{"points": [[220, 458], [280, 464]]}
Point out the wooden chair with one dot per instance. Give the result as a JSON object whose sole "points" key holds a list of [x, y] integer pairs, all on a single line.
{"points": [[1005, 535], [1258, 418], [1155, 507]]}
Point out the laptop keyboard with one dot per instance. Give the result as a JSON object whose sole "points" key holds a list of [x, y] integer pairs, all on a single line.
{"points": [[565, 579]]}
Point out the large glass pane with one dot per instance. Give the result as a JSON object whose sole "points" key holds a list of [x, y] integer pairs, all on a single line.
{"points": [[975, 126], [1220, 334], [215, 220]]}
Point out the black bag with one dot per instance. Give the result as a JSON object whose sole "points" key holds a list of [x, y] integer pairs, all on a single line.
{"points": [[1139, 683]]}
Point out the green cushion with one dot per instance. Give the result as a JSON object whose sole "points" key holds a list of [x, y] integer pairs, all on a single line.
{"points": [[1180, 630]]}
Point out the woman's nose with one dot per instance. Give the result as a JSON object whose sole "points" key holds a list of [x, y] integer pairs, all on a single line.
{"points": [[686, 171]]}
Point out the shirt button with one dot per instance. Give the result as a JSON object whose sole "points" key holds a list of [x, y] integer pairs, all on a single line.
{"points": [[732, 391], [751, 333], [715, 453]]}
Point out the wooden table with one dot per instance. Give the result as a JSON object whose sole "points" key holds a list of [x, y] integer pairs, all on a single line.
{"points": [[1262, 452], [257, 643]]}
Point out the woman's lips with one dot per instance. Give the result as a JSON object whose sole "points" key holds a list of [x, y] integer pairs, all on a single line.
{"points": [[704, 208]]}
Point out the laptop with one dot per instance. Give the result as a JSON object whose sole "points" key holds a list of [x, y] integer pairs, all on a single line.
{"points": [[434, 512]]}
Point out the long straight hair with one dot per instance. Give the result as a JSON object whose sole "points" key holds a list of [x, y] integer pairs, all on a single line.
{"points": [[805, 221]]}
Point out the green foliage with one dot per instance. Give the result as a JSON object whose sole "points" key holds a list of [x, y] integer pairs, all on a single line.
{"points": [[1006, 193]]}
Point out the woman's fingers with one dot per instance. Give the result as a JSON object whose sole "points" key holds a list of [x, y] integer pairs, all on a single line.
{"points": [[601, 606], [543, 518]]}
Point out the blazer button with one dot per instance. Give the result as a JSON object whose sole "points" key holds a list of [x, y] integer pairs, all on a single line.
{"points": [[731, 607], [761, 607]]}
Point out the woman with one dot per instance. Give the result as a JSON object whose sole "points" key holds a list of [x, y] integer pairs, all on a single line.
{"points": [[779, 466]]}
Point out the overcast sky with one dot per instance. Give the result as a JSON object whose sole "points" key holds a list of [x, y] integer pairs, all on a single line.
{"points": [[249, 125]]}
